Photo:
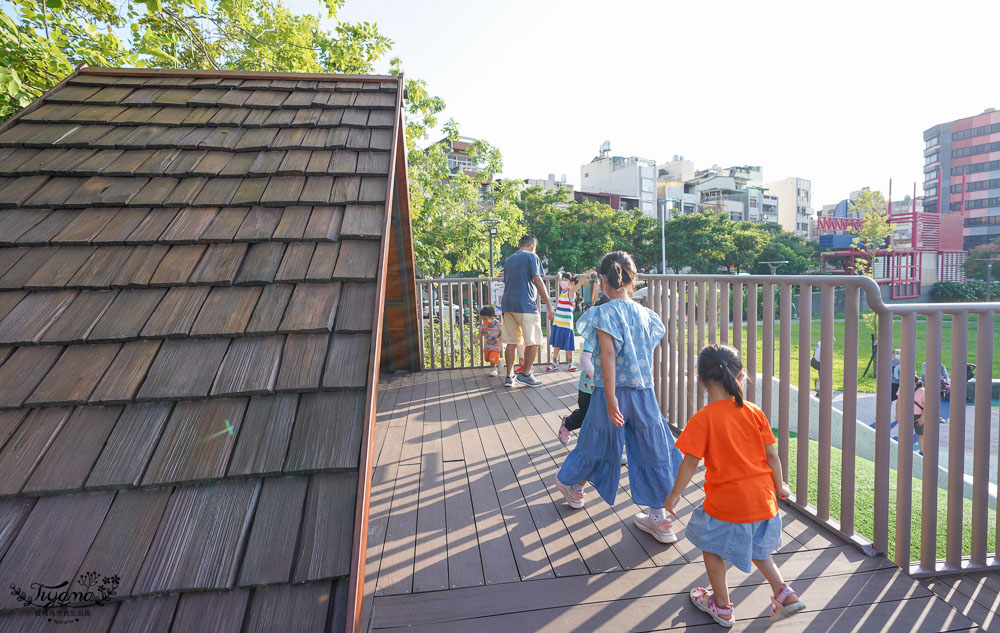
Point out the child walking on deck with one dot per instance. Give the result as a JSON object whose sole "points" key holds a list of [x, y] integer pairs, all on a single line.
{"points": [[623, 408], [738, 521], [561, 334]]}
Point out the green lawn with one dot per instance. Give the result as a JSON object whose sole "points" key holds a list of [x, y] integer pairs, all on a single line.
{"points": [[864, 502], [867, 383]]}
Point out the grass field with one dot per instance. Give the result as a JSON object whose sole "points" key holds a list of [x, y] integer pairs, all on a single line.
{"points": [[867, 383], [864, 502]]}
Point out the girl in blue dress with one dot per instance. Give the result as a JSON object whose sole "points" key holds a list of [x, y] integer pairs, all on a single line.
{"points": [[623, 408]]}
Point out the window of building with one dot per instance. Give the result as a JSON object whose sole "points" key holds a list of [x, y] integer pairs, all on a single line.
{"points": [[972, 150], [982, 130], [931, 142], [975, 168], [930, 191], [931, 158], [982, 204], [954, 206], [981, 185], [930, 175]]}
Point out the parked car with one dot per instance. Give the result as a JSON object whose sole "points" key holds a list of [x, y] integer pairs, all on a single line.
{"points": [[451, 311]]}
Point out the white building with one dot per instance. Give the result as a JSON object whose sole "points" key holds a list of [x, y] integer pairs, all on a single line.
{"points": [[795, 212], [678, 169], [549, 183], [623, 182]]}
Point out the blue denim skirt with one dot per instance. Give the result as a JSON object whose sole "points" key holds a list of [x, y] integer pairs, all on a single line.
{"points": [[653, 459], [738, 543], [562, 337]]}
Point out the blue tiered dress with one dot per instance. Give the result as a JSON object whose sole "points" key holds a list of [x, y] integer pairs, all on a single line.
{"points": [[652, 458]]}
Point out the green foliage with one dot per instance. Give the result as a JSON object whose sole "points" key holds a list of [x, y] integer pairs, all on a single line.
{"points": [[801, 254], [975, 265], [871, 238], [700, 241], [42, 41], [575, 236], [956, 292]]}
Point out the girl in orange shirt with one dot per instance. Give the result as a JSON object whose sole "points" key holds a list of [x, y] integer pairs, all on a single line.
{"points": [[738, 521]]}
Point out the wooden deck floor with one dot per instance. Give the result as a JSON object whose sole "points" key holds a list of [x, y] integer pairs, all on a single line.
{"points": [[467, 533]]}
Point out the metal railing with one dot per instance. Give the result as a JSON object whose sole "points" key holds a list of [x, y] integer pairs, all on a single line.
{"points": [[755, 315], [701, 309], [449, 321]]}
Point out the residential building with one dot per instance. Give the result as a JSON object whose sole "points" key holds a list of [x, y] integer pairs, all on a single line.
{"points": [[624, 182], [795, 212], [672, 200], [458, 156], [962, 174], [734, 191], [549, 183], [679, 169]]}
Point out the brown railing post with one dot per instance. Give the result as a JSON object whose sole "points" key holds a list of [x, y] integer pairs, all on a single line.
{"points": [[683, 412], [665, 348], [825, 401], [956, 440], [904, 460], [751, 362], [785, 377], [692, 351], [932, 412], [883, 436], [461, 323], [767, 354], [713, 312], [850, 409], [702, 307], [981, 441], [724, 298], [805, 353], [672, 353]]}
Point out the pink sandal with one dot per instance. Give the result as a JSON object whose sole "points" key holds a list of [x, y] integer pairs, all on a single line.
{"points": [[698, 596], [780, 610]]}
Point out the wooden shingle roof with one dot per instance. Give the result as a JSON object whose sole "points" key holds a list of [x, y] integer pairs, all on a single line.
{"points": [[192, 272]]}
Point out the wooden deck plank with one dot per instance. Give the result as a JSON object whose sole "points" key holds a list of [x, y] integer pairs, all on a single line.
{"points": [[625, 544], [603, 588], [557, 541], [451, 442], [530, 556], [414, 430], [430, 569], [497, 555], [971, 595], [396, 570], [465, 568], [577, 526]]}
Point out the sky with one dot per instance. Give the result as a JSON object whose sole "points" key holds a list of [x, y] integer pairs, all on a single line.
{"points": [[838, 93]]}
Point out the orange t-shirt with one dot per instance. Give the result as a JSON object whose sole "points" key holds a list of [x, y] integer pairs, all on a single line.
{"points": [[739, 485]]}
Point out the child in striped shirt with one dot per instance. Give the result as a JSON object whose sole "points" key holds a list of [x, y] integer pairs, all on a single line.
{"points": [[491, 338], [561, 334]]}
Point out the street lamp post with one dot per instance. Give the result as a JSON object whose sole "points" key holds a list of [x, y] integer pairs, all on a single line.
{"points": [[663, 234], [989, 276], [775, 265], [491, 224]]}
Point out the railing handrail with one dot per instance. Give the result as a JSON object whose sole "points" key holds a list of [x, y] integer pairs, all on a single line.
{"points": [[873, 294]]}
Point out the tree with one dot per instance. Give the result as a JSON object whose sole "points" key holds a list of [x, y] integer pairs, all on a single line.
{"points": [[975, 265], [747, 242], [699, 241], [801, 254], [41, 42], [871, 238]]}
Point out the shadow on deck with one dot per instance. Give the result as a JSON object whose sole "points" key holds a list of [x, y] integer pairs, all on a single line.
{"points": [[467, 534]]}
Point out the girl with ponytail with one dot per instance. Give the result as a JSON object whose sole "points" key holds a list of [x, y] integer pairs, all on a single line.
{"points": [[738, 521], [623, 409]]}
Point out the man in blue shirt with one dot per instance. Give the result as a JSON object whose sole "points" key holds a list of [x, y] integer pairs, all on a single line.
{"points": [[522, 273]]}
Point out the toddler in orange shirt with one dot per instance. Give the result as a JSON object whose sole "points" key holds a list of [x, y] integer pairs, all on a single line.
{"points": [[738, 522]]}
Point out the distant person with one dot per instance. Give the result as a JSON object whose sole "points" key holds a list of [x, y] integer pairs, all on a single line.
{"points": [[896, 356], [561, 334], [490, 337], [623, 410], [815, 364], [521, 323], [738, 521], [919, 395]]}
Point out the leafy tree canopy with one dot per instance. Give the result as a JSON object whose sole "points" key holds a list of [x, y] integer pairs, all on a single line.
{"points": [[41, 42], [975, 265]]}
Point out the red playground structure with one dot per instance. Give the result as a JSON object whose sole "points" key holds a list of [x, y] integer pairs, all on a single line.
{"points": [[925, 248]]}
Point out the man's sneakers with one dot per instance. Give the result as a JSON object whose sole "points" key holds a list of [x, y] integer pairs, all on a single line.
{"points": [[508, 382], [529, 380], [572, 494], [659, 528]]}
